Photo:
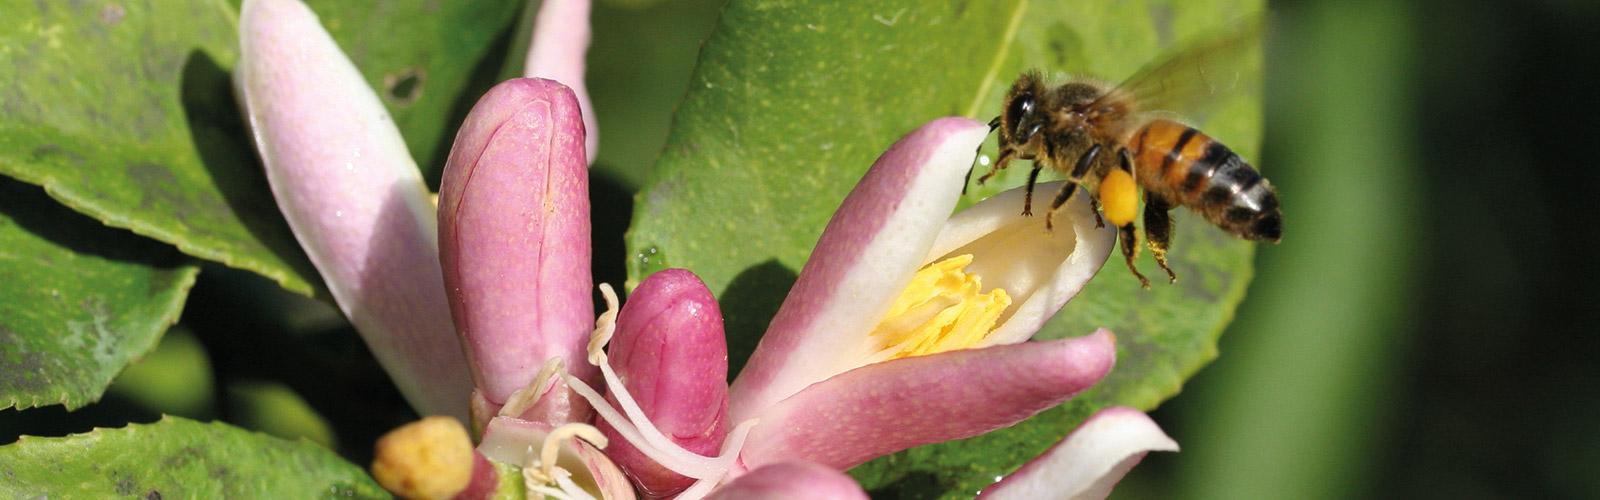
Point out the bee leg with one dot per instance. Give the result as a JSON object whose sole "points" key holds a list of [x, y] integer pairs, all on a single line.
{"points": [[1079, 170], [1158, 230], [993, 125], [1062, 197], [1130, 250], [1027, 194], [1006, 155], [1094, 206]]}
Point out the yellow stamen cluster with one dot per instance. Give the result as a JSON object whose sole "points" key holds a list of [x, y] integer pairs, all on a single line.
{"points": [[943, 309], [429, 458]]}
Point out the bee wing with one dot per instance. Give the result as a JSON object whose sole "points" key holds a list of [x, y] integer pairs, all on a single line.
{"points": [[1190, 80]]}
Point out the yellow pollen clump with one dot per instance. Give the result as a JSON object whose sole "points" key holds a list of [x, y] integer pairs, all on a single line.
{"points": [[1120, 197], [942, 309]]}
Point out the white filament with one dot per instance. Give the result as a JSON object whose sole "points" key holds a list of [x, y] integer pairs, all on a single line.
{"points": [[730, 447], [564, 480]]}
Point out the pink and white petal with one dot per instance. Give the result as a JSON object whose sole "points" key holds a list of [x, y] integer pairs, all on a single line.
{"points": [[1041, 270], [556, 51], [604, 479], [792, 479], [866, 255], [353, 196], [514, 241], [1089, 461], [671, 354], [891, 406]]}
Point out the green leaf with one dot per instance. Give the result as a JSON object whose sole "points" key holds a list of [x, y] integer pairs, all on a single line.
{"points": [[177, 458], [792, 102], [125, 111], [81, 300]]}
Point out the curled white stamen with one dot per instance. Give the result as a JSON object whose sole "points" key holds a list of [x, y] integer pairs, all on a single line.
{"points": [[548, 454], [526, 397], [604, 326]]}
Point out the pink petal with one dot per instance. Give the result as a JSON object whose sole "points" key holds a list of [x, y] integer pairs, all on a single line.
{"points": [[793, 479], [670, 352], [514, 241], [559, 43], [485, 480], [887, 407], [1041, 270], [869, 251], [1088, 462], [353, 196]]}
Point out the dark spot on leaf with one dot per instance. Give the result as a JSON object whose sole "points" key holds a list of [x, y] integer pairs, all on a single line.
{"points": [[48, 151], [181, 458], [159, 187], [112, 14], [221, 474], [405, 87], [24, 370], [125, 485], [152, 495]]}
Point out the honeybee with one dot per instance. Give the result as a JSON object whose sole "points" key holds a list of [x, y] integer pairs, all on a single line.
{"points": [[1116, 141]]}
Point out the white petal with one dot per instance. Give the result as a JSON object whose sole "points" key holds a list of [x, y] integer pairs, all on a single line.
{"points": [[1040, 269], [353, 196], [1089, 462]]}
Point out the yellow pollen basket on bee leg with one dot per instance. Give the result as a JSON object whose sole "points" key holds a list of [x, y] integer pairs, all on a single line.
{"points": [[943, 308], [1120, 198]]}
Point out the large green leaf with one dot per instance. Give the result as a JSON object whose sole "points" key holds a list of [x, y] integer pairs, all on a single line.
{"points": [[177, 458], [80, 300], [124, 111], [791, 103]]}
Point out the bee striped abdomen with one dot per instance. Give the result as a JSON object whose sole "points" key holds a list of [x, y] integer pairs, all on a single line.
{"points": [[1183, 165]]}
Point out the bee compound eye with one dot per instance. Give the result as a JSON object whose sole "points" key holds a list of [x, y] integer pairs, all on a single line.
{"points": [[1021, 108]]}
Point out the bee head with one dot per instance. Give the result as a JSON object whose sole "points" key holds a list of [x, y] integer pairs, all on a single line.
{"points": [[1022, 117]]}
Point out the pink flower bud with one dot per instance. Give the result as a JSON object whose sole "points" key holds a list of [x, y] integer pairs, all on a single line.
{"points": [[670, 352], [514, 242]]}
